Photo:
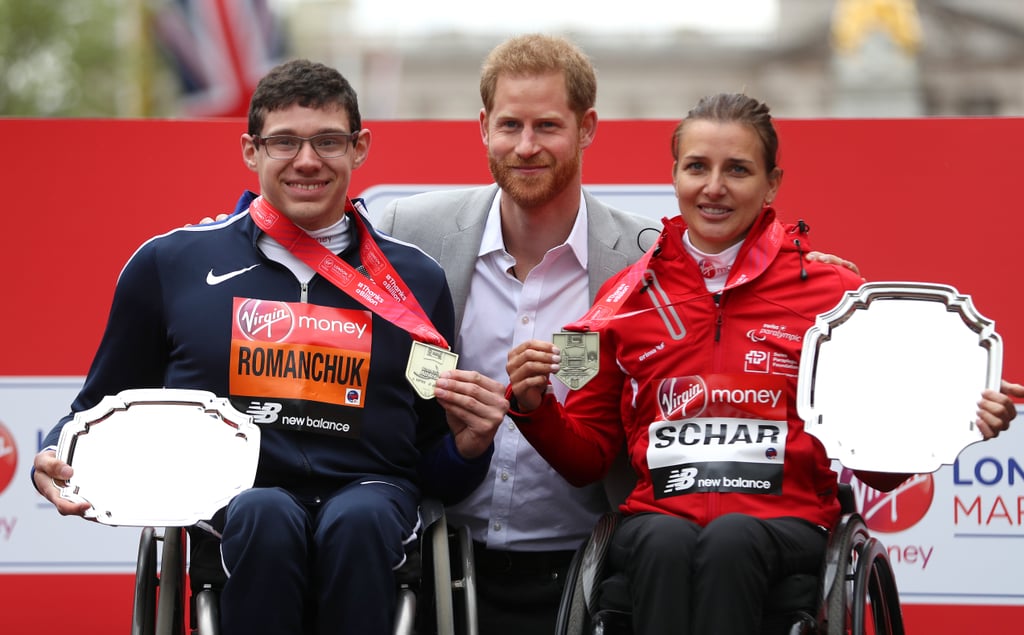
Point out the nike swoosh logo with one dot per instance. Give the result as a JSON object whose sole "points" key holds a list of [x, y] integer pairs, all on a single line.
{"points": [[212, 278]]}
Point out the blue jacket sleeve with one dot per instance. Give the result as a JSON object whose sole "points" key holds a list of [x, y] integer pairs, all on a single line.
{"points": [[449, 477], [444, 473]]}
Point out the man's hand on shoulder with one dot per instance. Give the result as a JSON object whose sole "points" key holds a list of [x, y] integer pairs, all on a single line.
{"points": [[207, 220], [832, 259]]}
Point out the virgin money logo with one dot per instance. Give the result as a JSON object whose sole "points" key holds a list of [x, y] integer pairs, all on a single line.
{"points": [[709, 270], [898, 510], [682, 397], [264, 320], [8, 457]]}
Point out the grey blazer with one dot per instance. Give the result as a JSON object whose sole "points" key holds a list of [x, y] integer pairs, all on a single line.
{"points": [[449, 225]]}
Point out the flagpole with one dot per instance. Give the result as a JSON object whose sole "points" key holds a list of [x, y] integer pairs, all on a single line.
{"points": [[138, 96]]}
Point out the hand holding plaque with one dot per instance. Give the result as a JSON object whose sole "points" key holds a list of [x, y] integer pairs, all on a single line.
{"points": [[165, 457], [889, 379]]}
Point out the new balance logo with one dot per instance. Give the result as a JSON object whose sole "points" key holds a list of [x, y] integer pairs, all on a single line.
{"points": [[263, 412]]}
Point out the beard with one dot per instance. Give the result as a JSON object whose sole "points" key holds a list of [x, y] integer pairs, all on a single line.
{"points": [[535, 190]]}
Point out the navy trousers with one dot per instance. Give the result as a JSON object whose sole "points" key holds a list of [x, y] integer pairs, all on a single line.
{"points": [[296, 568]]}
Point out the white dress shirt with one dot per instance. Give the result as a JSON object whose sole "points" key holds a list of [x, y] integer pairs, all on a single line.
{"points": [[523, 504]]}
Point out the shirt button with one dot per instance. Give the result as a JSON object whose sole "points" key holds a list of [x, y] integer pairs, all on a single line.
{"points": [[497, 526], [504, 476], [525, 319], [511, 426]]}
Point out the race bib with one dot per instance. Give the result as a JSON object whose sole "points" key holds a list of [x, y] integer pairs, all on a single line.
{"points": [[300, 366], [719, 433]]}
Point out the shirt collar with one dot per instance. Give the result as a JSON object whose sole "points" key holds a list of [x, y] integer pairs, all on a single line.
{"points": [[492, 239]]}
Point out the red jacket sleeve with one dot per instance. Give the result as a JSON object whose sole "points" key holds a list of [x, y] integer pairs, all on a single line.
{"points": [[582, 440]]}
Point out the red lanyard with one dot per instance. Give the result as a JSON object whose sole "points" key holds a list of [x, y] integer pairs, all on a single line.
{"points": [[391, 298], [606, 309]]}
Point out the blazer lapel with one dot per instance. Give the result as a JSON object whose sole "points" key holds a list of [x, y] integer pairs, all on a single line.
{"points": [[460, 246], [603, 258]]}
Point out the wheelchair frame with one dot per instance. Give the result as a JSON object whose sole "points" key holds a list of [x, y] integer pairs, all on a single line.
{"points": [[161, 585], [856, 571]]}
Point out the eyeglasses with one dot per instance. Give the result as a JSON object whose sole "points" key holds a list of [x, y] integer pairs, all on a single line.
{"points": [[327, 145]]}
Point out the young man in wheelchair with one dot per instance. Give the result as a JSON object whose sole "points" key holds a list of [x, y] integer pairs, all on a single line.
{"points": [[350, 442], [699, 345]]}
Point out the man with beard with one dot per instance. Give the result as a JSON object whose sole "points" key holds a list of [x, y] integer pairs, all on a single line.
{"points": [[523, 257]]}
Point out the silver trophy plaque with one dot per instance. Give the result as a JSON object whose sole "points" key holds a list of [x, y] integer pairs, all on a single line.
{"points": [[889, 379], [160, 457]]}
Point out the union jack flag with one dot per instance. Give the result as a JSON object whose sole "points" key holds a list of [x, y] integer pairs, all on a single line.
{"points": [[221, 49]]}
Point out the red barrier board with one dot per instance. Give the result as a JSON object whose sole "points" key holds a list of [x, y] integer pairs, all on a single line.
{"points": [[921, 199]]}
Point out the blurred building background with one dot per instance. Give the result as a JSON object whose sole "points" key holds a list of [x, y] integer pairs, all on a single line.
{"points": [[413, 60]]}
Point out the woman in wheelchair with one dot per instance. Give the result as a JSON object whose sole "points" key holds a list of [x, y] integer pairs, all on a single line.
{"points": [[699, 347]]}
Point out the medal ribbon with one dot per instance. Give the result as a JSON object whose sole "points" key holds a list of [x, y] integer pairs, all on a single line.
{"points": [[604, 310], [607, 309], [392, 299]]}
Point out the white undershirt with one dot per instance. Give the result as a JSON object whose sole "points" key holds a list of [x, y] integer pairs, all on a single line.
{"points": [[335, 238], [715, 267]]}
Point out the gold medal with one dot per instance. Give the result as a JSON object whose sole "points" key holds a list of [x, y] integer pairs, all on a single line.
{"points": [[580, 357], [426, 362]]}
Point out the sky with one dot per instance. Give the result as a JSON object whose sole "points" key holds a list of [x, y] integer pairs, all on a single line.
{"points": [[414, 16]]}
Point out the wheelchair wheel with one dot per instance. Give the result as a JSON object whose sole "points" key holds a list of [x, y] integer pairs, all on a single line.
{"points": [[578, 606], [875, 580], [840, 568], [444, 605], [858, 570], [207, 612], [144, 605], [465, 586], [573, 616], [170, 614], [158, 607]]}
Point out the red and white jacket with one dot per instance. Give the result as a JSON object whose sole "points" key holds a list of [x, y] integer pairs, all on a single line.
{"points": [[702, 386]]}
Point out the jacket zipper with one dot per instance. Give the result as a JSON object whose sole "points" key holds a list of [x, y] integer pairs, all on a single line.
{"points": [[718, 317], [714, 498]]}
